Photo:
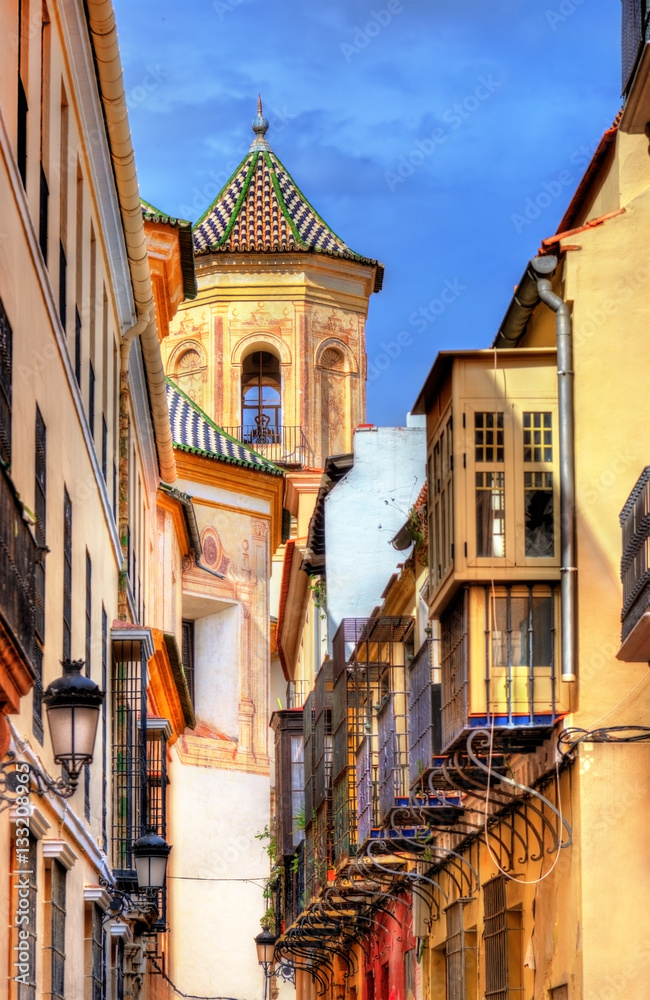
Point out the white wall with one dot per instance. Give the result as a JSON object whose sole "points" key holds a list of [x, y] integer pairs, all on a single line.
{"points": [[362, 514], [216, 670]]}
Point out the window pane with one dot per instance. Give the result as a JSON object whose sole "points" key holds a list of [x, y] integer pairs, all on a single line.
{"points": [[538, 437], [488, 437], [538, 502], [490, 514]]}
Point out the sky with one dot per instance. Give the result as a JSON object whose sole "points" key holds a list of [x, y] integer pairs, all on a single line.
{"points": [[444, 138]]}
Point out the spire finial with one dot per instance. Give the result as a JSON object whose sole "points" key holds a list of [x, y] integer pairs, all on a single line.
{"points": [[260, 127]]}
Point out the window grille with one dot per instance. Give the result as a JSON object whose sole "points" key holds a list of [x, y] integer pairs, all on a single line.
{"points": [[21, 136], [91, 398], [27, 991], [119, 970], [44, 195], [57, 931], [67, 574], [454, 667], [63, 288], [104, 730], [104, 449], [6, 365], [155, 800], [460, 955], [77, 346], [129, 758], [97, 955], [409, 974], [40, 512], [37, 693], [502, 941]]}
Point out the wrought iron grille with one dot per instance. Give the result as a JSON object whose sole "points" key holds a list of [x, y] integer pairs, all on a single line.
{"points": [[155, 800], [6, 379], [368, 666], [67, 574], [454, 664], [309, 763], [128, 756], [502, 939], [57, 931], [460, 953], [18, 556], [635, 32], [424, 711], [323, 696], [98, 955], [366, 786], [281, 445]]}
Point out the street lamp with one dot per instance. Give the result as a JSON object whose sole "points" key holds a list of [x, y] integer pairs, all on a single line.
{"points": [[150, 853], [265, 944], [72, 703]]}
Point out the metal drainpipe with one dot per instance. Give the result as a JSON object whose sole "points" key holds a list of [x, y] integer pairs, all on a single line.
{"points": [[136, 330], [565, 379]]}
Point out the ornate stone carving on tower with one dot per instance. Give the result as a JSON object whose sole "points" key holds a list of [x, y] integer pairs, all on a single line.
{"points": [[273, 347]]}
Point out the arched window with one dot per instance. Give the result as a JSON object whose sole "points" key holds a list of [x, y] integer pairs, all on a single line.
{"points": [[261, 400]]}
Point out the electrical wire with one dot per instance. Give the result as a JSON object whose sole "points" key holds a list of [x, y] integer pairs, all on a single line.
{"points": [[572, 737], [188, 996]]}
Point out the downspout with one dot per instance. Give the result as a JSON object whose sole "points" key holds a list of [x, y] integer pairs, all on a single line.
{"points": [[123, 488], [565, 385], [103, 33]]}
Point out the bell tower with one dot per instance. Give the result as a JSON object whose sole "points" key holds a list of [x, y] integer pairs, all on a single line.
{"points": [[273, 346]]}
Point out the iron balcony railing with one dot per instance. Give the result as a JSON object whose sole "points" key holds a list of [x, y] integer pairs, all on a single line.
{"points": [[20, 554], [281, 445], [424, 712]]}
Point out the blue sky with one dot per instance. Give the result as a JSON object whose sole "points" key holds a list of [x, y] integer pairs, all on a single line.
{"points": [[442, 137]]}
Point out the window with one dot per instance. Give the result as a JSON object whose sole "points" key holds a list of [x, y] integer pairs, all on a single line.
{"points": [[6, 355], [490, 514], [488, 437], [538, 483], [104, 731], [489, 448], [63, 287], [460, 953], [261, 398], [67, 574], [128, 748], [89, 609], [21, 131], [56, 945], [96, 954], [91, 398], [77, 346], [441, 521], [522, 627], [502, 941], [188, 655]]}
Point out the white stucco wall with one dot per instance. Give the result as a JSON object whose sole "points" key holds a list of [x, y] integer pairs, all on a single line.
{"points": [[216, 639], [364, 511], [217, 870]]}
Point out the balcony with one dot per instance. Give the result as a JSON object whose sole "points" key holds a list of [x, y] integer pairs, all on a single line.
{"points": [[368, 668], [286, 446], [20, 555], [498, 655], [635, 573]]}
